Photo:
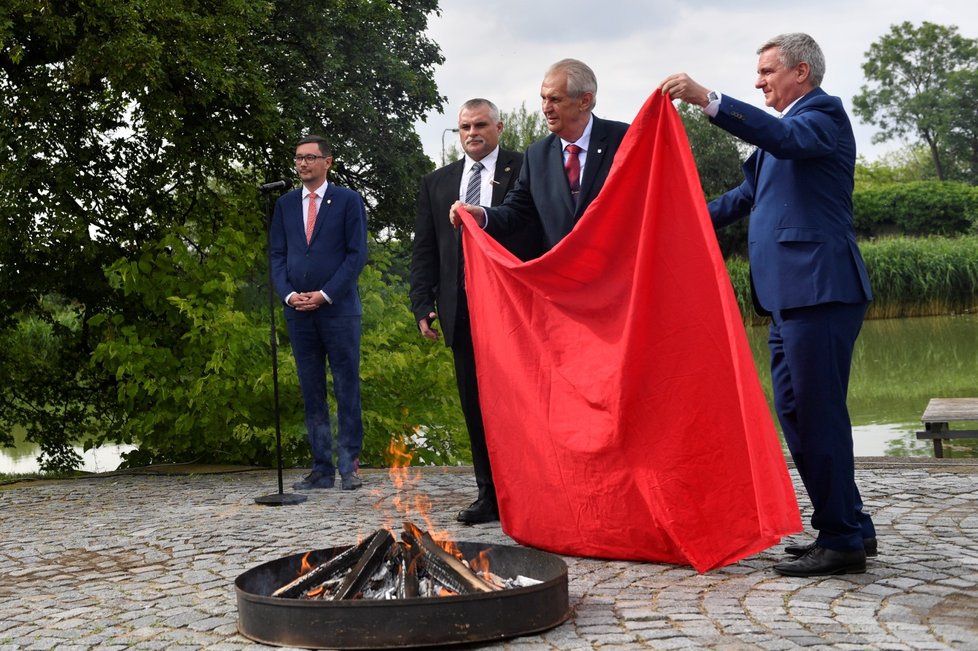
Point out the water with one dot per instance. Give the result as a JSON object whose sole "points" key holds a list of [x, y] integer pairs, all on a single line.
{"points": [[22, 458], [899, 365]]}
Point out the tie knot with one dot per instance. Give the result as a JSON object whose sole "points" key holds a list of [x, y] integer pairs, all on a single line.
{"points": [[313, 195], [477, 166], [573, 149]]}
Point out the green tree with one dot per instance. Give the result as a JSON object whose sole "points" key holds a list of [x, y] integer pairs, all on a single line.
{"points": [[719, 157], [921, 85], [522, 128], [132, 135]]}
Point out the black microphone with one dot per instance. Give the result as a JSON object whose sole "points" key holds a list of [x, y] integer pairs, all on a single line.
{"points": [[284, 184]]}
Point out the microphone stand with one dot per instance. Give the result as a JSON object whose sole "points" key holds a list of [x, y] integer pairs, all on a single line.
{"points": [[281, 498]]}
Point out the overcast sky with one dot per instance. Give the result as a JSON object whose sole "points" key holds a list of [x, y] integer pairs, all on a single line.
{"points": [[501, 49]]}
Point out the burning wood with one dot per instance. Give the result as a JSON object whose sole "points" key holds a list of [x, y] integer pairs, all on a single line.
{"points": [[382, 568]]}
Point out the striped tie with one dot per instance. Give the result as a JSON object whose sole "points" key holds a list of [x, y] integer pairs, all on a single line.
{"points": [[473, 193]]}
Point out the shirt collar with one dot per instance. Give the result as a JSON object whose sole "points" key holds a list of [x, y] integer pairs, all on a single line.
{"points": [[488, 161], [320, 191], [585, 138]]}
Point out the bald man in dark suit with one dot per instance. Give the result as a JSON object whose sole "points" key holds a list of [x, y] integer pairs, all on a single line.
{"points": [[437, 285]]}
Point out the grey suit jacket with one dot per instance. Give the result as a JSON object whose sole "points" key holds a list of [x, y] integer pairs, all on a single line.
{"points": [[542, 193]]}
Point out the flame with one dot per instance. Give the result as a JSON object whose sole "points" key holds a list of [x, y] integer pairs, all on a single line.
{"points": [[407, 500], [306, 565], [480, 564], [315, 592], [411, 502]]}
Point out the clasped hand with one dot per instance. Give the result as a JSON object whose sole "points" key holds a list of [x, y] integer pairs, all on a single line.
{"points": [[306, 301]]}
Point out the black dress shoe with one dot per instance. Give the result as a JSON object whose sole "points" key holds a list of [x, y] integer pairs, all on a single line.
{"points": [[481, 510], [822, 561], [869, 544]]}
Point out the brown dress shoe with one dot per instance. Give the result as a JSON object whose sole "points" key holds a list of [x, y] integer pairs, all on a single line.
{"points": [[822, 561]]}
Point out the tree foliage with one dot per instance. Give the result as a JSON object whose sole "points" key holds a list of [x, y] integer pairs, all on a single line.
{"points": [[522, 128], [132, 135], [719, 157], [923, 85]]}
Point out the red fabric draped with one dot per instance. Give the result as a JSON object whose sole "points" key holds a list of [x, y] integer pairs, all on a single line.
{"points": [[623, 412]]}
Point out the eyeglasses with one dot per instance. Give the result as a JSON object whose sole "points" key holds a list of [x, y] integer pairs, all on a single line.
{"points": [[308, 158]]}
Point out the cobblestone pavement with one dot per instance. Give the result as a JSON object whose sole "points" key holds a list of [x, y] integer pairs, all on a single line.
{"points": [[148, 561]]}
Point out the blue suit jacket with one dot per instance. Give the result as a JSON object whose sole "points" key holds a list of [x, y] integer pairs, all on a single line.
{"points": [[333, 259], [542, 191], [797, 190]]}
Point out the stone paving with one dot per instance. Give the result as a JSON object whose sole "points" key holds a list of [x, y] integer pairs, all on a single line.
{"points": [[148, 561]]}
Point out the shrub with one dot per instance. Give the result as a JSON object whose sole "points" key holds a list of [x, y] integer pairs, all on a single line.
{"points": [[916, 208]]}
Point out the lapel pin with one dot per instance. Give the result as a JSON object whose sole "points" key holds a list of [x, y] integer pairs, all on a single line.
{"points": [[599, 151], [329, 201], [507, 169]]}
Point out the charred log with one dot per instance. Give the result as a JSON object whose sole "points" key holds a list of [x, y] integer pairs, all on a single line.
{"points": [[329, 570], [371, 559], [442, 566]]}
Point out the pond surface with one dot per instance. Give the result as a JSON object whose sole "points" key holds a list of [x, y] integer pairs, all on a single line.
{"points": [[899, 365]]}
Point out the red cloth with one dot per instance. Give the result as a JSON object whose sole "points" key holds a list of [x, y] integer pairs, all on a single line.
{"points": [[623, 412]]}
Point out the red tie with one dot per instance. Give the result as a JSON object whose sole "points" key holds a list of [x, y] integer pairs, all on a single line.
{"points": [[573, 168], [310, 216]]}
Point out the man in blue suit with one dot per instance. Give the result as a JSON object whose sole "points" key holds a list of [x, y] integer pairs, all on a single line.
{"points": [[563, 172], [318, 245], [807, 274]]}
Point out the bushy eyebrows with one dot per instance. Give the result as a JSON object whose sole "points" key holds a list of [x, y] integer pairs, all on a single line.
{"points": [[469, 125]]}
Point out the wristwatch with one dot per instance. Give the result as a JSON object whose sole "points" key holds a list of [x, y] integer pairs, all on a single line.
{"points": [[712, 97]]}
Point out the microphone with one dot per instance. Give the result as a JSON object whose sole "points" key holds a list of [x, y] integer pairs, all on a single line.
{"points": [[284, 184]]}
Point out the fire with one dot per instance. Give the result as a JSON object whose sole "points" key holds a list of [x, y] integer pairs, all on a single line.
{"points": [[407, 500], [306, 565], [480, 564], [410, 502]]}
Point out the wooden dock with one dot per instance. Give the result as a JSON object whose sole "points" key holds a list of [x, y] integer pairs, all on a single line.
{"points": [[939, 415]]}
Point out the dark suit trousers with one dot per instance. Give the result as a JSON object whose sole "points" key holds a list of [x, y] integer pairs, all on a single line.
{"points": [[468, 393], [315, 341], [811, 354]]}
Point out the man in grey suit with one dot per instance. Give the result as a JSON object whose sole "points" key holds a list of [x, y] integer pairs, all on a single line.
{"points": [[485, 174], [563, 172]]}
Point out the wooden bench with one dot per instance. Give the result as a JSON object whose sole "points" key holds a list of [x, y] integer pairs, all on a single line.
{"points": [[938, 415]]}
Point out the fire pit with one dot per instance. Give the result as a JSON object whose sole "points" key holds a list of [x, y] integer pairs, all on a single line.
{"points": [[344, 623]]}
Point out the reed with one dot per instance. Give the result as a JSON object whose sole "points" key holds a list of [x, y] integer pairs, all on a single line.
{"points": [[910, 276]]}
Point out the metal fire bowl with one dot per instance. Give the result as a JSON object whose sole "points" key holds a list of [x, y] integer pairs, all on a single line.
{"points": [[393, 623]]}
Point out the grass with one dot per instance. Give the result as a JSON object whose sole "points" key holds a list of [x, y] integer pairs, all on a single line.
{"points": [[920, 276]]}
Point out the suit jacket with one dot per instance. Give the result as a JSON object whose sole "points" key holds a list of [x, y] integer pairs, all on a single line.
{"points": [[542, 192], [333, 258], [797, 190], [435, 268]]}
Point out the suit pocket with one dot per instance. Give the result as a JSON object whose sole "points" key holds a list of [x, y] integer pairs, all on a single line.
{"points": [[799, 234]]}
